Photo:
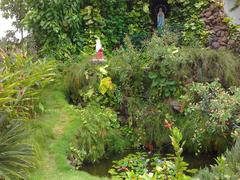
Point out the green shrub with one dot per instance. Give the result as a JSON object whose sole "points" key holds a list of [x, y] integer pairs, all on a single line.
{"points": [[79, 79], [227, 166], [142, 87], [16, 155], [22, 79], [214, 114], [86, 82], [96, 134], [79, 23], [206, 65], [185, 17]]}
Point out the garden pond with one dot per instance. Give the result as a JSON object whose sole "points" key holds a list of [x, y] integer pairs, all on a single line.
{"points": [[139, 159]]}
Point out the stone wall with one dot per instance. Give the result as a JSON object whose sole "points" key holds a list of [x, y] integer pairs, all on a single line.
{"points": [[213, 18]]}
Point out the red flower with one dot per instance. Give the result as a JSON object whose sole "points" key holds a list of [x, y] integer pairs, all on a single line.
{"points": [[167, 124], [123, 169]]}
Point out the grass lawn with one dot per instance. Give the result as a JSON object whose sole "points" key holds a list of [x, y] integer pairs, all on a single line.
{"points": [[51, 134]]}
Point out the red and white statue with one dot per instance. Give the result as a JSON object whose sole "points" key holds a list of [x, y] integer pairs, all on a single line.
{"points": [[99, 51]]}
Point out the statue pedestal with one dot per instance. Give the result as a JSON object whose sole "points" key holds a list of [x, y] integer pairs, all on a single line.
{"points": [[97, 60]]}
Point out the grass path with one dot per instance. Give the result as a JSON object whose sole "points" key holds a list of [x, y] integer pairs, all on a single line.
{"points": [[51, 134]]}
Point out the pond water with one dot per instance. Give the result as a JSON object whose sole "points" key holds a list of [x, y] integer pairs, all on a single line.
{"points": [[101, 168]]}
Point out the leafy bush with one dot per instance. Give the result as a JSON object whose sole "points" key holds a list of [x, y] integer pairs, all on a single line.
{"points": [[206, 65], [79, 79], [143, 85], [95, 136], [79, 23], [185, 17], [214, 113], [87, 82], [16, 155], [227, 166], [22, 79]]}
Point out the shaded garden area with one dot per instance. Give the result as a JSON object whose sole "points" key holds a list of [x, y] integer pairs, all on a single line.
{"points": [[158, 98]]}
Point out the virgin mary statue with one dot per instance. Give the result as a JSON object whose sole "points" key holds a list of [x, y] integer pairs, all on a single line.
{"points": [[160, 18]]}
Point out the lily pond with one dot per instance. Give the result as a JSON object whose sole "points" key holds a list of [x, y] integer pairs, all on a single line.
{"points": [[142, 162]]}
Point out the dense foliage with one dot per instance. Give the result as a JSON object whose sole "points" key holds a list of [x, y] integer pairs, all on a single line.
{"points": [[65, 28], [227, 166], [214, 111], [22, 79], [143, 90], [185, 17], [150, 93], [97, 136]]}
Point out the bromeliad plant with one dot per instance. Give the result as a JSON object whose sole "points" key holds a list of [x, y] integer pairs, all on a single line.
{"points": [[22, 79]]}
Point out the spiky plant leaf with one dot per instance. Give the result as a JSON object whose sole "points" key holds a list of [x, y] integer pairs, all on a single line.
{"points": [[15, 154]]}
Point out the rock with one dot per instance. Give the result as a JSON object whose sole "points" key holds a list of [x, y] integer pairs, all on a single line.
{"points": [[216, 45], [226, 34], [219, 19], [216, 10], [207, 21], [208, 27], [214, 38], [216, 14], [211, 18], [217, 28], [223, 27], [218, 33], [212, 7], [222, 43], [208, 14], [231, 42], [222, 33], [177, 106], [224, 39]]}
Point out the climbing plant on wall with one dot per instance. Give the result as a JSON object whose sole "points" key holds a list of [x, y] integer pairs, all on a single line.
{"points": [[185, 17], [69, 27]]}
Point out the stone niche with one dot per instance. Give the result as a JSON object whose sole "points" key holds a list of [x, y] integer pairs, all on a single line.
{"points": [[154, 7]]}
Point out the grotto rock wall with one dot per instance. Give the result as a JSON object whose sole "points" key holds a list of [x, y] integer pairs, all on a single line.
{"points": [[220, 35]]}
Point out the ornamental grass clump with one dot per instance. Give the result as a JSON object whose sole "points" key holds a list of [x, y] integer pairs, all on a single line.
{"points": [[16, 155]]}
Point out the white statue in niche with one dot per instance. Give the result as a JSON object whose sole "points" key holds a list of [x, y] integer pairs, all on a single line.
{"points": [[160, 18]]}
